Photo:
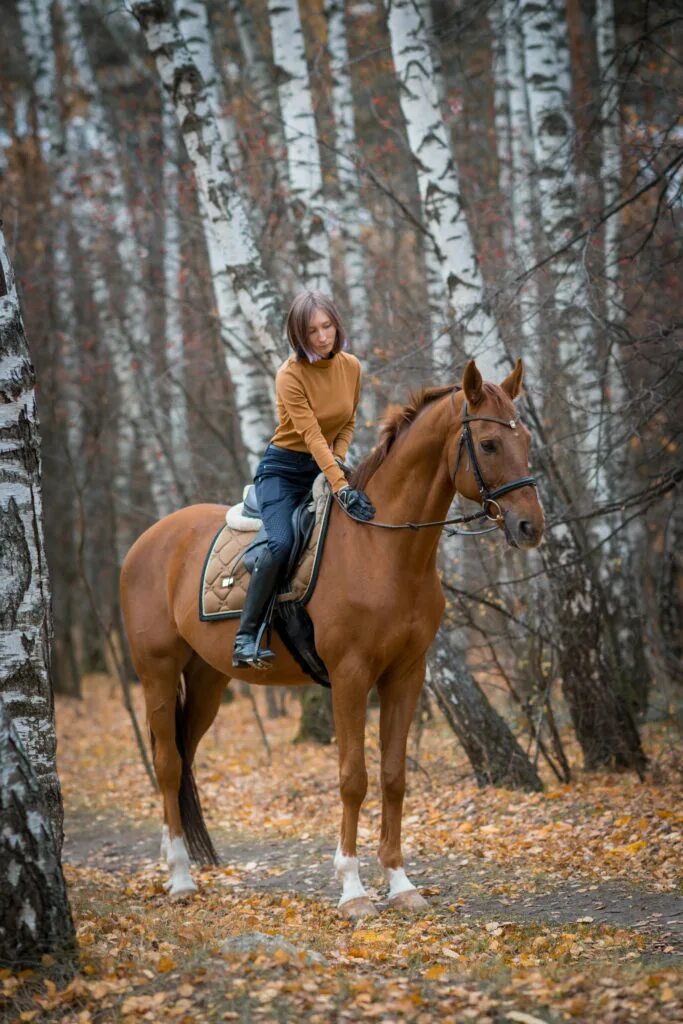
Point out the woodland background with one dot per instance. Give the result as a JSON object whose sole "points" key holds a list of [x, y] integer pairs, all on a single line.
{"points": [[491, 179]]}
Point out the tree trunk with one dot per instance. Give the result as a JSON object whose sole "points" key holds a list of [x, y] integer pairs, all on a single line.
{"points": [[317, 722], [252, 381], [437, 176], [176, 402], [301, 136], [25, 618], [611, 149], [589, 616], [230, 238], [493, 751], [127, 304], [670, 594], [35, 917]]}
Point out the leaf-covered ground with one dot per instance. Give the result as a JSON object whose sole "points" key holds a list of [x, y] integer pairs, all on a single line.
{"points": [[560, 906]]}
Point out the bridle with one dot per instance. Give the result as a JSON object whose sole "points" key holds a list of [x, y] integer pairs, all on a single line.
{"points": [[488, 497], [466, 442]]}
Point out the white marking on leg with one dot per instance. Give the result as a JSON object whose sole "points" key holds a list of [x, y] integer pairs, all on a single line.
{"points": [[165, 840], [347, 870], [398, 881], [181, 880]]}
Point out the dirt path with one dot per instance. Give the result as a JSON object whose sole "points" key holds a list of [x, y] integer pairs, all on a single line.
{"points": [[305, 867]]}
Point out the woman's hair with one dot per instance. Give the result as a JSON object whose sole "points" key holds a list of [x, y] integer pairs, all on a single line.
{"points": [[299, 319]]}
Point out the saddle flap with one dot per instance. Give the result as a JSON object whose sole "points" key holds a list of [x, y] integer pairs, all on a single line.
{"points": [[250, 505]]}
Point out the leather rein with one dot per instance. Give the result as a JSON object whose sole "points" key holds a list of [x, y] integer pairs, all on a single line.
{"points": [[488, 498]]}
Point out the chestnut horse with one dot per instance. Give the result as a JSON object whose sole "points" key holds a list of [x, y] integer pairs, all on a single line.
{"points": [[376, 609]]}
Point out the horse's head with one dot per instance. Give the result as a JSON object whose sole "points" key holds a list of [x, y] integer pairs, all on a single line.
{"points": [[492, 458]]}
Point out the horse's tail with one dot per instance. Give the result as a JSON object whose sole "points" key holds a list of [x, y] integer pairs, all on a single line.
{"points": [[196, 833]]}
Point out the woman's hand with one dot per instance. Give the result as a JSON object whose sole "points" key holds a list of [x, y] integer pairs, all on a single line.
{"points": [[357, 503]]}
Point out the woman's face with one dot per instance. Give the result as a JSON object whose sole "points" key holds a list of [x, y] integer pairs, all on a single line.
{"points": [[321, 333]]}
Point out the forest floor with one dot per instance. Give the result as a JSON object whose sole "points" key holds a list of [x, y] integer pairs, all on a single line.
{"points": [[566, 905]]}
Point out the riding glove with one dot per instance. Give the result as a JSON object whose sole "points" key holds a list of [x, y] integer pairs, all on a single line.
{"points": [[357, 503]]}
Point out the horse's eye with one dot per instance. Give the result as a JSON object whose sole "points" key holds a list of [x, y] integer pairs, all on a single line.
{"points": [[488, 446]]}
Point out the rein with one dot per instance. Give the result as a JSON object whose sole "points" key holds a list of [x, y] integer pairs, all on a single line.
{"points": [[487, 497]]}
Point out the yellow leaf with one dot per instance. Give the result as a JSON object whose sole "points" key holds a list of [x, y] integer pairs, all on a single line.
{"points": [[630, 848], [368, 936], [165, 964], [435, 972]]}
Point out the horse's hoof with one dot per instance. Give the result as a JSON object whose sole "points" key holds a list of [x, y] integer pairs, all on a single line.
{"points": [[409, 901], [181, 889], [167, 884], [358, 908]]}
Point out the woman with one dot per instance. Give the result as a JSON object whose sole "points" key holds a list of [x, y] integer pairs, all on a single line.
{"points": [[317, 391]]}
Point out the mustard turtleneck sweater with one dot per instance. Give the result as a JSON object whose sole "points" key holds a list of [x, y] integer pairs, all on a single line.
{"points": [[316, 405]]}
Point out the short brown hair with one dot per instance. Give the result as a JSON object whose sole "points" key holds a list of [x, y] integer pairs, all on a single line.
{"points": [[299, 318]]}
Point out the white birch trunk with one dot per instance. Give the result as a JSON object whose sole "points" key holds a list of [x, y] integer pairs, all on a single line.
{"points": [[253, 391], [438, 183], [518, 177], [34, 908], [193, 22], [611, 149], [127, 333], [352, 214], [36, 29], [25, 614], [232, 247], [260, 76], [173, 295], [301, 136], [548, 81], [351, 209]]}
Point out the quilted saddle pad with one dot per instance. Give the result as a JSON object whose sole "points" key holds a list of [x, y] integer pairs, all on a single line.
{"points": [[225, 579]]}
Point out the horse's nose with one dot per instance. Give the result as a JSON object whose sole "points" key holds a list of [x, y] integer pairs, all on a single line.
{"points": [[527, 529]]}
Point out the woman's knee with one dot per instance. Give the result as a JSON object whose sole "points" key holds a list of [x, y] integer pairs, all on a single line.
{"points": [[279, 548]]}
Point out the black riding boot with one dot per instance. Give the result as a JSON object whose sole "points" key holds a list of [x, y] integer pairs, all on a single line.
{"points": [[260, 590]]}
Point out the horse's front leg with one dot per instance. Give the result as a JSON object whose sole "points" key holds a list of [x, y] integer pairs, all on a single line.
{"points": [[349, 702], [398, 694]]}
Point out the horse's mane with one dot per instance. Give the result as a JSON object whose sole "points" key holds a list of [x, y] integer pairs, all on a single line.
{"points": [[397, 420]]}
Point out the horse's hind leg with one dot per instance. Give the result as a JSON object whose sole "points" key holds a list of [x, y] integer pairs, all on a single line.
{"points": [[203, 691], [204, 688]]}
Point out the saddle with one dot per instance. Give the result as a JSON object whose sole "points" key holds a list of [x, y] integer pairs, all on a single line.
{"points": [[234, 553], [246, 517]]}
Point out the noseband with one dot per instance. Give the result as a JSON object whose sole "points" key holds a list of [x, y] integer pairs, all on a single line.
{"points": [[487, 497], [466, 442]]}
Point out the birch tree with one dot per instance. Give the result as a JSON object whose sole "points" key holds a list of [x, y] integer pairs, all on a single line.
{"points": [[25, 622], [351, 208], [495, 755], [258, 73], [127, 306], [253, 383], [229, 225], [301, 136], [35, 917], [173, 326], [587, 616], [517, 169], [437, 176], [610, 139]]}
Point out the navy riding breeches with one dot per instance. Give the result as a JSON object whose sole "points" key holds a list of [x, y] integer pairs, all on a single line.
{"points": [[282, 480]]}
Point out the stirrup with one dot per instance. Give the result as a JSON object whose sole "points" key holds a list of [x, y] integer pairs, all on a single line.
{"points": [[252, 656]]}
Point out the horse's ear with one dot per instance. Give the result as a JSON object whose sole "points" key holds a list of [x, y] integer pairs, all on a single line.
{"points": [[472, 383], [512, 385]]}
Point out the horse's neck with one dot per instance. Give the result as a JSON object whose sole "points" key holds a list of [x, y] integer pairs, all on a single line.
{"points": [[413, 484]]}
